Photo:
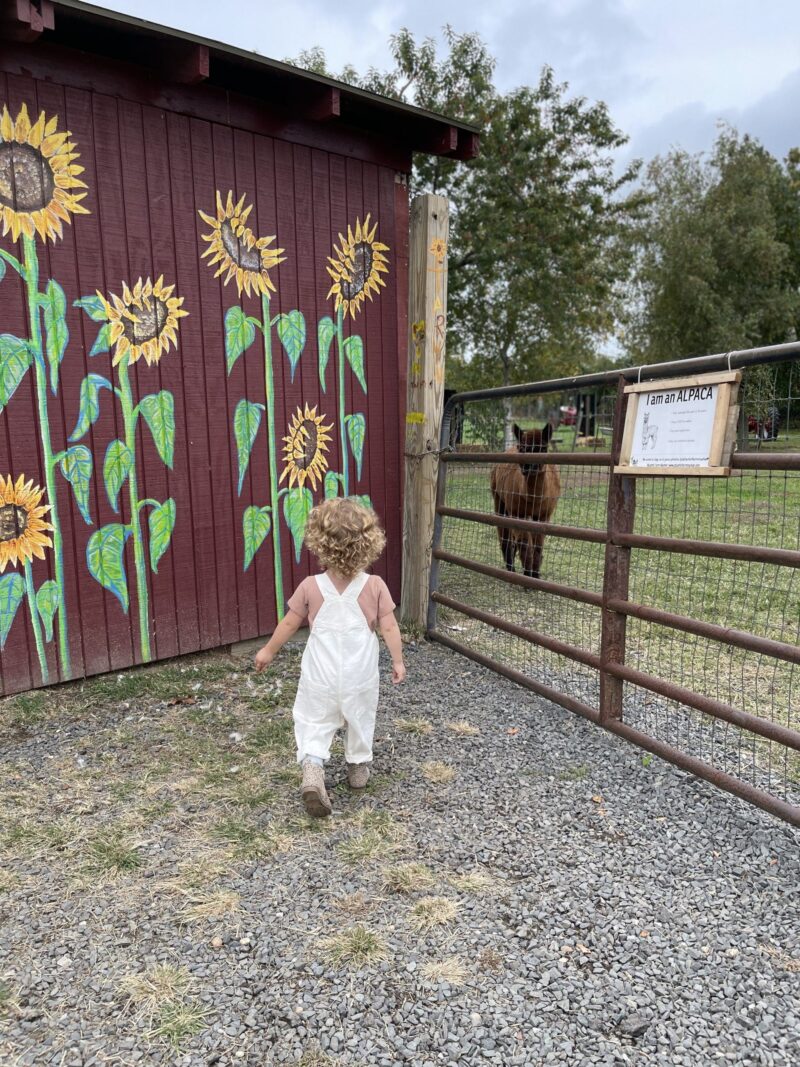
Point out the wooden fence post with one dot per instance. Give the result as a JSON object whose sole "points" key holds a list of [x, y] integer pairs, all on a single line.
{"points": [[427, 320]]}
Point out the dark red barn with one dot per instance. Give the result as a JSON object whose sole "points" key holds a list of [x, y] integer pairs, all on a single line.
{"points": [[203, 287]]}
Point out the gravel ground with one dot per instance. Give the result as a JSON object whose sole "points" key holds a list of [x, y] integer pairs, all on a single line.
{"points": [[561, 899]]}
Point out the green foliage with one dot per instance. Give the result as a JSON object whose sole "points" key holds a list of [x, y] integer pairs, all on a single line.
{"points": [[102, 342], [15, 358], [93, 306], [54, 303], [89, 404], [105, 557], [718, 264], [292, 334], [240, 332], [325, 334], [539, 220], [356, 432], [246, 421], [297, 505], [256, 524], [76, 466], [12, 591], [158, 410], [48, 601], [354, 350], [161, 521], [332, 482], [116, 468]]}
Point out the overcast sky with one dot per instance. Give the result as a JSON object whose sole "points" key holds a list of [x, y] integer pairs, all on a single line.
{"points": [[668, 69]]}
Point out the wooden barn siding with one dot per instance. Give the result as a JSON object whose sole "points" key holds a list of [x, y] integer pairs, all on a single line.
{"points": [[149, 170]]}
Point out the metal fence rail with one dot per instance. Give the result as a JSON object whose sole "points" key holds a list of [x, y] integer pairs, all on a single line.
{"points": [[666, 610]]}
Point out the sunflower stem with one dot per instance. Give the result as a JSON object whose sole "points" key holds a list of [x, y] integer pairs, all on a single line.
{"points": [[129, 423], [36, 622], [273, 463], [31, 276], [342, 425], [13, 261]]}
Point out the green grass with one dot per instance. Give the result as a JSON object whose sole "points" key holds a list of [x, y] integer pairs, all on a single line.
{"points": [[113, 851]]}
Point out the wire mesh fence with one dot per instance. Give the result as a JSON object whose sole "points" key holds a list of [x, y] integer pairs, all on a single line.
{"points": [[708, 670]]}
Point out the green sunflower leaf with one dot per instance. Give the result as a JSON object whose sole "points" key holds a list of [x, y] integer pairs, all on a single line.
{"points": [[239, 335], [116, 468], [365, 500], [2, 269], [15, 358], [325, 333], [12, 590], [332, 482], [93, 306], [158, 410], [162, 522], [105, 558], [246, 421], [54, 303], [356, 432], [292, 332], [48, 601], [256, 524], [297, 505], [102, 342], [89, 408], [76, 466], [354, 350]]}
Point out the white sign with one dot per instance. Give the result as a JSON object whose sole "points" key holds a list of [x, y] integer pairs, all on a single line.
{"points": [[684, 426], [673, 427]]}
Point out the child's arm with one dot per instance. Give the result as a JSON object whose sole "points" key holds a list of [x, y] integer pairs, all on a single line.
{"points": [[289, 624], [390, 632]]}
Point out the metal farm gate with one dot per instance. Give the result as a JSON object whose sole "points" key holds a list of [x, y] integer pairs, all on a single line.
{"points": [[667, 609]]}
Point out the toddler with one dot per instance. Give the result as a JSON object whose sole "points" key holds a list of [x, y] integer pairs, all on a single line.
{"points": [[339, 674]]}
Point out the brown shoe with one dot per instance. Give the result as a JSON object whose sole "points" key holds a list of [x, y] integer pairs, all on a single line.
{"points": [[315, 797], [357, 775]]}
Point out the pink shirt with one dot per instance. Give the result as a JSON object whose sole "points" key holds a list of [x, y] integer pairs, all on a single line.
{"points": [[375, 599]]}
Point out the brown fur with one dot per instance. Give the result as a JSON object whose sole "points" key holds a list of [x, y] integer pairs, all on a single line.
{"points": [[526, 491]]}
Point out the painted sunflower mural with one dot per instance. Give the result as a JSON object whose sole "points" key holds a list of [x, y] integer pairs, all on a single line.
{"points": [[141, 324], [241, 256], [24, 535], [356, 268], [306, 444], [40, 189]]}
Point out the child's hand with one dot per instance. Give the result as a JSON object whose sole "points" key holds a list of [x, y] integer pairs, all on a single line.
{"points": [[263, 659], [398, 672]]}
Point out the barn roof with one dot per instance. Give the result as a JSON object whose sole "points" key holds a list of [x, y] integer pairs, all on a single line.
{"points": [[187, 59]]}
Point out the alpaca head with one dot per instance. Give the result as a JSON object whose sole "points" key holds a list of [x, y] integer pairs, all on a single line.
{"points": [[532, 441]]}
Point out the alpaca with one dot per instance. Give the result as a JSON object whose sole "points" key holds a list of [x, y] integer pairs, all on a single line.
{"points": [[649, 433], [526, 491]]}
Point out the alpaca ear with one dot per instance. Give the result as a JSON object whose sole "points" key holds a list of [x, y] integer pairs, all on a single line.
{"points": [[517, 431], [547, 432]]}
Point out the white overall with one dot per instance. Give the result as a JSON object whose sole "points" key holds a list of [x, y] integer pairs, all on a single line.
{"points": [[339, 677]]}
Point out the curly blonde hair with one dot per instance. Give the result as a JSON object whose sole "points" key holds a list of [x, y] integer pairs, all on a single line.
{"points": [[344, 535]]}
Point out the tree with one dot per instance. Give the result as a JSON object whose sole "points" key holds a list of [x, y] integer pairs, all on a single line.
{"points": [[718, 253], [539, 222]]}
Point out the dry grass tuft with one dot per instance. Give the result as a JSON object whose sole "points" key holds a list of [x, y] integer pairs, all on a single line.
{"points": [[381, 836], [355, 947], [408, 878], [353, 904], [159, 995], [462, 728], [438, 772], [452, 970], [474, 882], [213, 905], [433, 911], [414, 726], [783, 959], [489, 960], [315, 1057]]}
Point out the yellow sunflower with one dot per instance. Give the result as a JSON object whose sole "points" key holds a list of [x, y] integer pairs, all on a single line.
{"points": [[23, 531], [356, 271], [439, 249], [144, 322], [37, 176], [306, 445], [235, 247]]}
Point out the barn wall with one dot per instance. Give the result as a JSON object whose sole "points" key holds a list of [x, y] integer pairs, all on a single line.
{"points": [[109, 432]]}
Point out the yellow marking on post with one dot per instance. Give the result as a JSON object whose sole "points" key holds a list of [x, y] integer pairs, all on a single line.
{"points": [[415, 417]]}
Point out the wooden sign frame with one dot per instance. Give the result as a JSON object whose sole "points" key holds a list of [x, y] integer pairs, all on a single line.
{"points": [[723, 432]]}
